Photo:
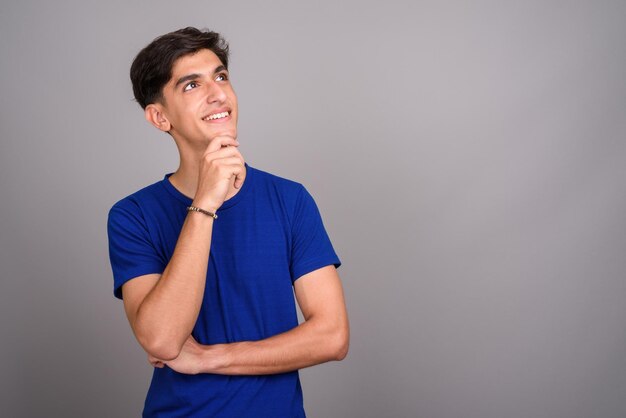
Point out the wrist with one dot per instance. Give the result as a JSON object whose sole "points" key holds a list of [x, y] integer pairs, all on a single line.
{"points": [[206, 206], [216, 358], [202, 211]]}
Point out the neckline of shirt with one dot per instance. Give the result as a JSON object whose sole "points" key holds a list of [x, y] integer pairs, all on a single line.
{"points": [[245, 189]]}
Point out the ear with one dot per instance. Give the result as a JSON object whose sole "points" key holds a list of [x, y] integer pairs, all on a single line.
{"points": [[155, 115]]}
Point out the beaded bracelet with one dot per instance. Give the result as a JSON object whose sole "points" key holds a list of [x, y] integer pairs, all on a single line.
{"points": [[206, 212]]}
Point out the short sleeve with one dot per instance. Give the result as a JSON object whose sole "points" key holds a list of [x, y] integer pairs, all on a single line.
{"points": [[131, 251], [311, 247]]}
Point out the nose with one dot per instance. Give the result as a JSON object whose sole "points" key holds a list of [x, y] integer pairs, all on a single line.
{"points": [[216, 93]]}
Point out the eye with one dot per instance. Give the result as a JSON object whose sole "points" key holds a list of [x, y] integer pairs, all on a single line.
{"points": [[221, 77], [190, 85]]}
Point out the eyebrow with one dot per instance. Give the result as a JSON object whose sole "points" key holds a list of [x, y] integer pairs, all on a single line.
{"points": [[193, 76]]}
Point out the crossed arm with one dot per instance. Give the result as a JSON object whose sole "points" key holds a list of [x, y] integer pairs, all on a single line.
{"points": [[322, 337]]}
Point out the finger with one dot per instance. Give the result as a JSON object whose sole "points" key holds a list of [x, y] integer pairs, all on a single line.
{"points": [[227, 162], [224, 152], [222, 168], [227, 168], [236, 169], [239, 178], [221, 141]]}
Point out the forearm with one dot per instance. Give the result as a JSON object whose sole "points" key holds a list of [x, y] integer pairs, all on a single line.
{"points": [[312, 342], [163, 309], [169, 311]]}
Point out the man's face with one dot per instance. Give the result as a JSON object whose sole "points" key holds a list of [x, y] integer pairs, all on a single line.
{"points": [[200, 103]]}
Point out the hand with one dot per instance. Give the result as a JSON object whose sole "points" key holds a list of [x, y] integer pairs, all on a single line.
{"points": [[220, 162]]}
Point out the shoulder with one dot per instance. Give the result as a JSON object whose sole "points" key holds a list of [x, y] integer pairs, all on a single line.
{"points": [[135, 203], [279, 192], [291, 195], [266, 179]]}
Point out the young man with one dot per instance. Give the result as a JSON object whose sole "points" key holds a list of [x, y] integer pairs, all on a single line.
{"points": [[208, 259]]}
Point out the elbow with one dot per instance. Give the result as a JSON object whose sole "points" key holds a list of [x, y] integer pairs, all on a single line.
{"points": [[161, 349], [340, 344], [164, 353], [342, 353], [157, 343], [342, 350]]}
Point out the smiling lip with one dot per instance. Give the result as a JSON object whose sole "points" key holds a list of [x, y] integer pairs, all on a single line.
{"points": [[220, 115]]}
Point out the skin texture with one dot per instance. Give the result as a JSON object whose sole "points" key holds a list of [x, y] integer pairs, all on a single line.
{"points": [[163, 308]]}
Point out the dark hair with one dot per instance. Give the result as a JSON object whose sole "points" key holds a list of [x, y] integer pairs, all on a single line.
{"points": [[152, 67]]}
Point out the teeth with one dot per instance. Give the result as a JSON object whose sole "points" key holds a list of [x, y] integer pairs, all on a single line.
{"points": [[216, 116]]}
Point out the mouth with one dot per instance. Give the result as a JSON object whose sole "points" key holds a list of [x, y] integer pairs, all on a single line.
{"points": [[216, 116]]}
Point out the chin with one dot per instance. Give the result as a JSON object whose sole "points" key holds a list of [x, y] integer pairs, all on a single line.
{"points": [[226, 132]]}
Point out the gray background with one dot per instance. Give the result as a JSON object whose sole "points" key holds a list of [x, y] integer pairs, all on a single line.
{"points": [[469, 159]]}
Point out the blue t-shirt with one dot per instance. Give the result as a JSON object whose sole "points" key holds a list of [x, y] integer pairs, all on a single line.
{"points": [[266, 236]]}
